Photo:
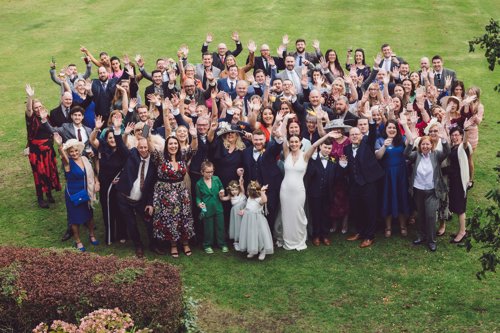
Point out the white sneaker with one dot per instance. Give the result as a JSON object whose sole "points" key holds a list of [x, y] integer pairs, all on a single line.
{"points": [[250, 256], [236, 246], [279, 243], [262, 255]]}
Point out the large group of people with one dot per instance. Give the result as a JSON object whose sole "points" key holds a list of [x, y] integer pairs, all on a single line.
{"points": [[279, 152]]}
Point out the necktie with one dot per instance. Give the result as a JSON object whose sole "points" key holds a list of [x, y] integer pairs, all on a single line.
{"points": [[300, 60], [438, 76], [141, 180], [231, 88], [355, 146], [222, 59], [104, 86], [265, 64], [204, 80], [66, 112], [79, 135]]}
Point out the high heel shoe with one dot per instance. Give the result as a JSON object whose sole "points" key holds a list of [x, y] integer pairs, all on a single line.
{"points": [[453, 241], [80, 248], [93, 242]]}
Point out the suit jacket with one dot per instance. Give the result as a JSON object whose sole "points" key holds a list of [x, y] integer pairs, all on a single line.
{"points": [[223, 85], [439, 83], [216, 59], [167, 92], [265, 170], [349, 119], [130, 173], [57, 117], [318, 176], [200, 72], [102, 97], [436, 157], [259, 64], [369, 168], [210, 196], [310, 56], [285, 76], [67, 131]]}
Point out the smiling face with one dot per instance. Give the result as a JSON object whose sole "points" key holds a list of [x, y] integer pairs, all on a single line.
{"points": [[363, 125], [377, 118], [458, 91], [207, 60], [315, 98], [267, 117], [182, 134], [172, 146], [340, 106], [437, 64], [80, 87], [115, 65], [332, 56], [415, 78], [142, 147], [110, 139], [77, 118], [258, 141], [358, 57], [391, 130], [399, 91], [234, 191], [202, 125], [300, 47], [425, 145], [434, 133], [66, 99], [222, 49], [230, 61], [387, 52], [294, 143], [290, 63], [103, 74], [73, 153], [456, 138], [157, 78], [325, 149], [355, 135], [293, 128], [407, 86], [231, 137]]}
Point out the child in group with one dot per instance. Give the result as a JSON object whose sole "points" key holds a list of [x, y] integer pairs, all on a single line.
{"points": [[208, 190], [238, 200], [255, 235]]}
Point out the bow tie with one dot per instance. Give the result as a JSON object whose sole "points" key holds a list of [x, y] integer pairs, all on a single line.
{"points": [[324, 158], [255, 151], [355, 146]]}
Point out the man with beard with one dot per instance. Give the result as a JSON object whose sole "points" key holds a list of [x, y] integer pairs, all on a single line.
{"points": [[342, 112]]}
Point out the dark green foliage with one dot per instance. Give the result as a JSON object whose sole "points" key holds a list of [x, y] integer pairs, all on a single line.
{"points": [[490, 42]]}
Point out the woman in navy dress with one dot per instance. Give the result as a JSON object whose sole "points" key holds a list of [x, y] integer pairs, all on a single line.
{"points": [[79, 177], [395, 202]]}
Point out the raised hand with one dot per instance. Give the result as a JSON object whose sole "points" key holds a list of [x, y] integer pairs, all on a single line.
{"points": [[213, 125], [192, 130], [175, 101], [268, 81], [315, 44], [58, 139], [304, 70], [129, 128], [387, 78], [227, 100], [251, 46], [209, 75], [84, 50], [130, 70], [240, 172], [395, 72], [172, 76], [88, 86], [347, 79], [264, 188], [285, 40], [153, 98], [250, 78], [98, 122], [280, 50], [167, 105], [378, 59], [323, 63], [126, 59], [192, 107], [213, 93], [209, 39], [182, 95], [184, 50], [447, 82], [139, 60], [29, 91], [235, 36], [132, 103], [431, 76], [403, 120], [271, 61]]}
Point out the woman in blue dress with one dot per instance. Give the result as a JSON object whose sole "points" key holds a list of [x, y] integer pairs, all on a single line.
{"points": [[80, 188], [389, 150]]}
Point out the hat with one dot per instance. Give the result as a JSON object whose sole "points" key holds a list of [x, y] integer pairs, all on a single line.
{"points": [[73, 143], [432, 122], [225, 127], [337, 124], [445, 100]]}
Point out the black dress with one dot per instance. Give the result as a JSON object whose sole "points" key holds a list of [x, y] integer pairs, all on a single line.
{"points": [[457, 197]]}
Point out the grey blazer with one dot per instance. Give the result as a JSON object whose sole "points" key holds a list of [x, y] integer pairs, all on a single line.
{"points": [[67, 131], [446, 72], [200, 71], [437, 157]]}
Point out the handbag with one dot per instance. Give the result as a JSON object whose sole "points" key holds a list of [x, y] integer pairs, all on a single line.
{"points": [[80, 196]]}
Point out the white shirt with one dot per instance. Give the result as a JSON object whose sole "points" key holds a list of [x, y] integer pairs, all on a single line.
{"points": [[83, 133], [135, 192], [424, 177], [387, 64]]}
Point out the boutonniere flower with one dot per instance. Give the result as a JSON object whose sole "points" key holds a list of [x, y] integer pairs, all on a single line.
{"points": [[262, 151], [332, 159]]}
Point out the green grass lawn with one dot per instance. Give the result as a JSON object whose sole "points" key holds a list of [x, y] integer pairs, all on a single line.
{"points": [[390, 287]]}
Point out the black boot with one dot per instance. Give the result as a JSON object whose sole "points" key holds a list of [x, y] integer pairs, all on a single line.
{"points": [[67, 235], [42, 203], [50, 198]]}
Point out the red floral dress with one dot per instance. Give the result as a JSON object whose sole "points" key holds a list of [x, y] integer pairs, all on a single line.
{"points": [[172, 218]]}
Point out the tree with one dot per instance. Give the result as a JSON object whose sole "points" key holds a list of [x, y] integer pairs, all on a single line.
{"points": [[490, 41]]}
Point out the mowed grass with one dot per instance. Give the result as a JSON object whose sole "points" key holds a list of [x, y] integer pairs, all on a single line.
{"points": [[390, 287]]}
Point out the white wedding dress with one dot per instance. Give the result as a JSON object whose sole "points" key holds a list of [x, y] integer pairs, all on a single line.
{"points": [[292, 197]]}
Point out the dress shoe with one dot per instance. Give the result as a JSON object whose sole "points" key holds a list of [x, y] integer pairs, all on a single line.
{"points": [[353, 237], [67, 235], [453, 241], [418, 241], [139, 252], [366, 243], [327, 242], [316, 241], [432, 247], [42, 203]]}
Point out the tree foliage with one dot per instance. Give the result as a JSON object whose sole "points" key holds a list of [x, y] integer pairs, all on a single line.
{"points": [[490, 42]]}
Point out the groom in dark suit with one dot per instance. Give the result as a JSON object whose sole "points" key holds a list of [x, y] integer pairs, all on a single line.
{"points": [[259, 163], [364, 171]]}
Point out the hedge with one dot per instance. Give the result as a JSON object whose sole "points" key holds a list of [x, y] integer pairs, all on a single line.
{"points": [[46, 284]]}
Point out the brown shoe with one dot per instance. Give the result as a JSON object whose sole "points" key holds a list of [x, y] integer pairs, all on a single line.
{"points": [[139, 252], [316, 241], [353, 237], [366, 243], [327, 242]]}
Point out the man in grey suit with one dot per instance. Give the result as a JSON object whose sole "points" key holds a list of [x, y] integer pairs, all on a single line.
{"points": [[441, 73], [206, 66], [73, 130], [301, 57], [290, 73]]}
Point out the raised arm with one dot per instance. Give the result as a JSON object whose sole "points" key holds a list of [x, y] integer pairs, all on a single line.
{"points": [[94, 141], [30, 93], [315, 146], [96, 62], [64, 157]]}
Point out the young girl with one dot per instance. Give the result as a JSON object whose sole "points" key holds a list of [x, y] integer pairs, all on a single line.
{"points": [[238, 200], [255, 235], [208, 190]]}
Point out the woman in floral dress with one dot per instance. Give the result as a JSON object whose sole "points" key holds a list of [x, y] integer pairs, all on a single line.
{"points": [[172, 218]]}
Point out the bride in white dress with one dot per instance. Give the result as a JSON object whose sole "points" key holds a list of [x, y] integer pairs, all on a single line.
{"points": [[293, 192]]}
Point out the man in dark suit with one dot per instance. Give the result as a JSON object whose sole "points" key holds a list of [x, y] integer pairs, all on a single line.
{"points": [[228, 84], [314, 105], [342, 112], [219, 57], [364, 172], [389, 61], [61, 114], [163, 89], [135, 194], [321, 175], [301, 57], [440, 73], [264, 61], [196, 94], [103, 90], [259, 163]]}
